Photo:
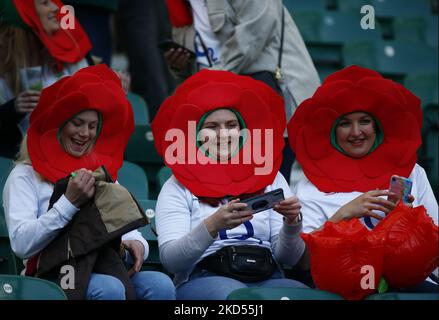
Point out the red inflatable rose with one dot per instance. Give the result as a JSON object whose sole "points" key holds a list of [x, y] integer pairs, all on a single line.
{"points": [[96, 88], [349, 90], [411, 248], [262, 111], [345, 258]]}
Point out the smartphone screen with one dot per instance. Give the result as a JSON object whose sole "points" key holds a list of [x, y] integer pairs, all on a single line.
{"points": [[402, 187]]}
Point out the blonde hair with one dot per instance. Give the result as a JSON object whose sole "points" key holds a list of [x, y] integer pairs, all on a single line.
{"points": [[23, 153], [19, 49]]}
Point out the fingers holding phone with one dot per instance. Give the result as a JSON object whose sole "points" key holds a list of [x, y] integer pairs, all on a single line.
{"points": [[177, 59], [227, 217], [290, 209], [176, 56]]}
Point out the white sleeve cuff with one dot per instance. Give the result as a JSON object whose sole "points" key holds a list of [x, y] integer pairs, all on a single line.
{"points": [[65, 208], [136, 235]]}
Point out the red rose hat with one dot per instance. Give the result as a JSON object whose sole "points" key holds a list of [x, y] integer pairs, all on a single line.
{"points": [[260, 108], [97, 88], [356, 89], [65, 45], [180, 13]]}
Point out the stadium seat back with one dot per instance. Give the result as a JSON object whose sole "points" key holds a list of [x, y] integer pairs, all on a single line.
{"points": [[163, 175], [29, 288], [398, 8], [132, 177], [260, 293], [149, 233], [140, 109], [404, 296]]}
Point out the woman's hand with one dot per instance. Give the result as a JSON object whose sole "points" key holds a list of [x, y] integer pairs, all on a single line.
{"points": [[410, 199], [26, 101], [177, 59], [137, 251], [363, 206], [228, 216], [80, 188], [290, 209]]}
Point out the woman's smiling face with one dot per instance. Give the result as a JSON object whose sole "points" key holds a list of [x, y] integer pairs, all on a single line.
{"points": [[219, 134], [79, 133], [47, 11], [356, 134]]}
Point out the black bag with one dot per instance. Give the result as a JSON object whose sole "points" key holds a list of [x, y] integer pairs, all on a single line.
{"points": [[243, 263]]}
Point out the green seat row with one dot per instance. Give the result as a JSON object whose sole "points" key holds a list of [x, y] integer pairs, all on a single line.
{"points": [[13, 287], [388, 8], [278, 293], [141, 150], [140, 109], [391, 58], [325, 32], [132, 177], [150, 234]]}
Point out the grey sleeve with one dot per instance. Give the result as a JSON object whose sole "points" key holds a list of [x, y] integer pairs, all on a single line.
{"points": [[177, 255], [288, 246], [254, 26]]}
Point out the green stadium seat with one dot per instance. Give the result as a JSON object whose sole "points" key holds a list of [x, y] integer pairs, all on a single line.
{"points": [[326, 31], [431, 31], [141, 150], [29, 288], [8, 261], [391, 58], [162, 176], [339, 27], [259, 293], [425, 86], [304, 5], [404, 296], [132, 177], [398, 8], [325, 70], [140, 109], [150, 234], [6, 166], [308, 23], [417, 30], [353, 6]]}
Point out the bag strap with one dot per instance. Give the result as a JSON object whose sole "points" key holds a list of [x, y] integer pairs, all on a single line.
{"points": [[278, 73]]}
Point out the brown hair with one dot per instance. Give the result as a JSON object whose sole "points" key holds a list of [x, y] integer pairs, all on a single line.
{"points": [[19, 48]]}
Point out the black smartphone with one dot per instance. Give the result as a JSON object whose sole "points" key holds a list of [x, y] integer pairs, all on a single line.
{"points": [[264, 201], [167, 44]]}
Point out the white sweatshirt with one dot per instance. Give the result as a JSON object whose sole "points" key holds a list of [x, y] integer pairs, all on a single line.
{"points": [[31, 226], [184, 240]]}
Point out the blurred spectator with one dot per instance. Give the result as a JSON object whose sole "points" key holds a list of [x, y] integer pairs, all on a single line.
{"points": [[141, 25], [35, 52], [95, 17]]}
